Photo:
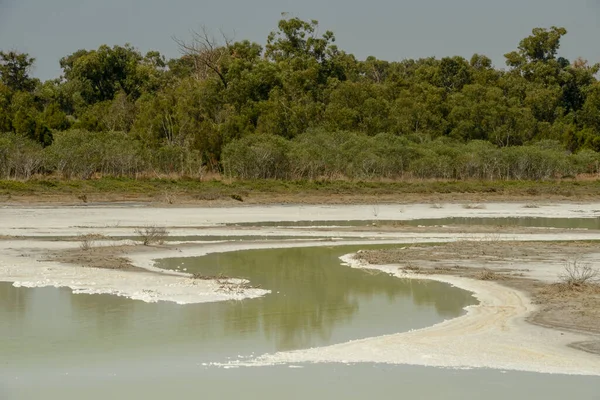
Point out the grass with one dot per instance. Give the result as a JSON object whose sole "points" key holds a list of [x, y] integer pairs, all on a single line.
{"points": [[194, 189]]}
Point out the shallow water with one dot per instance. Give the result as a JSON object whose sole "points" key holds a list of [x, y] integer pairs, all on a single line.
{"points": [[56, 345], [324, 381], [316, 301], [523, 222]]}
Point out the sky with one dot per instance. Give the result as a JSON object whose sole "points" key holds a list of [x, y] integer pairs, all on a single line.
{"points": [[388, 29]]}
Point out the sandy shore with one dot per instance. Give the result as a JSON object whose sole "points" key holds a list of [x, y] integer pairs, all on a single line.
{"points": [[494, 334], [25, 264]]}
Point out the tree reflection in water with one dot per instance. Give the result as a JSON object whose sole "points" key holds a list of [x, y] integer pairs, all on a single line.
{"points": [[312, 293], [315, 301]]}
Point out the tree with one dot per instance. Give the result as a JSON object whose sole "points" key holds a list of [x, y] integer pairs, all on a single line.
{"points": [[5, 115], [541, 46], [536, 59], [101, 74], [296, 44], [297, 39], [453, 74], [207, 54], [14, 71]]}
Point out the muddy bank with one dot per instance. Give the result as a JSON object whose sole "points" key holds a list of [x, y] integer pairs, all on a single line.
{"points": [[274, 192]]}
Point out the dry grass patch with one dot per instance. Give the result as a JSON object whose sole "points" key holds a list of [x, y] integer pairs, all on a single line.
{"points": [[412, 268], [488, 275]]}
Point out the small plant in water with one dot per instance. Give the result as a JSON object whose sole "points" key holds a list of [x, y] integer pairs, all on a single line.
{"points": [[152, 234]]}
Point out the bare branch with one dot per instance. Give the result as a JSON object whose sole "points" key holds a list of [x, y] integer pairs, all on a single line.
{"points": [[207, 52]]}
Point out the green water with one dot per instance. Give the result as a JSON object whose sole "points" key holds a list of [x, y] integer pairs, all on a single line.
{"points": [[56, 345], [316, 301]]}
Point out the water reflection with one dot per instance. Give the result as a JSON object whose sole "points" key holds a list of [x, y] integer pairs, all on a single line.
{"points": [[313, 294], [315, 302]]}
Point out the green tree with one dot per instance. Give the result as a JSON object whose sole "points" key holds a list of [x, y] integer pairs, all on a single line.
{"points": [[101, 74], [14, 71]]}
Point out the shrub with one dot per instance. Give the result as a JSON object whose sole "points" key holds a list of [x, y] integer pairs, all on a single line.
{"points": [[80, 154], [577, 273], [152, 235], [20, 157], [257, 157]]}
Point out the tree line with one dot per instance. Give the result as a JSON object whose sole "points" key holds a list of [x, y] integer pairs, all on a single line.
{"points": [[301, 108]]}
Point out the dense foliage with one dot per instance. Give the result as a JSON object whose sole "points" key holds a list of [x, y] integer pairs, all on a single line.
{"points": [[298, 108]]}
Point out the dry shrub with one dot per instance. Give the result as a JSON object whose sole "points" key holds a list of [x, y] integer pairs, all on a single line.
{"points": [[152, 234], [531, 205], [86, 242], [578, 274]]}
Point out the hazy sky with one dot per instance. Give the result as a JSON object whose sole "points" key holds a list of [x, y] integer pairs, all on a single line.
{"points": [[388, 29]]}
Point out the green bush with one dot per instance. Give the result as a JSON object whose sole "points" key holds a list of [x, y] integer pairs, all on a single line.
{"points": [[80, 154], [257, 157]]}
